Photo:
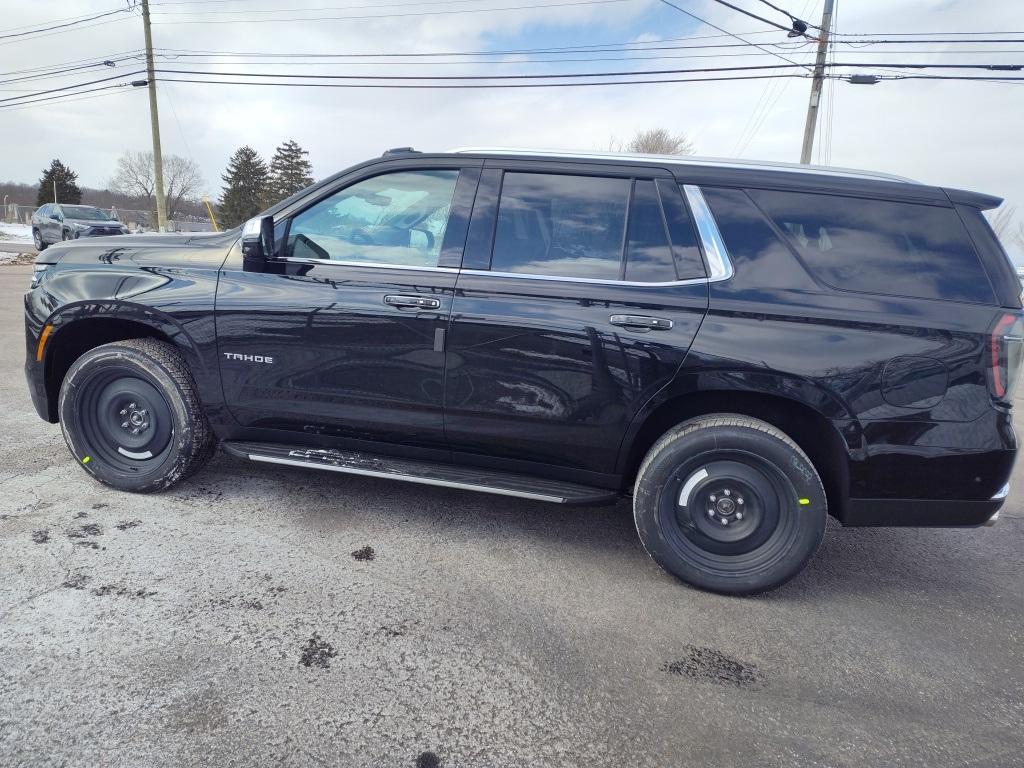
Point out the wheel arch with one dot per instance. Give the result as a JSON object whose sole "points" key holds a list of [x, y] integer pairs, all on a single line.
{"points": [[80, 327], [816, 434]]}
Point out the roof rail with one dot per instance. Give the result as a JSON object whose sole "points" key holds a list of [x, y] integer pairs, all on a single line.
{"points": [[715, 162], [400, 151]]}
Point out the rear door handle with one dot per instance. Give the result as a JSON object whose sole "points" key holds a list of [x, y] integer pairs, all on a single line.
{"points": [[641, 321], [412, 302]]}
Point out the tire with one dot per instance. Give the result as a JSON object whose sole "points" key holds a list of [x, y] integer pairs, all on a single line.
{"points": [[132, 418], [65, 235], [740, 470], [37, 238]]}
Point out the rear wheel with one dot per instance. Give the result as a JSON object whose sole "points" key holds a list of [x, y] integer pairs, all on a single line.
{"points": [[131, 416], [37, 238], [729, 504]]}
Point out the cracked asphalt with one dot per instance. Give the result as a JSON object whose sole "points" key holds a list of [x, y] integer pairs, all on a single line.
{"points": [[257, 615]]}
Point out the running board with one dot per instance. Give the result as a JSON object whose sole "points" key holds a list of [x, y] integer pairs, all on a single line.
{"points": [[427, 473]]}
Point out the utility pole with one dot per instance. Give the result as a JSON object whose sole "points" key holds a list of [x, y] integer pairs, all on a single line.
{"points": [[816, 83], [154, 120]]}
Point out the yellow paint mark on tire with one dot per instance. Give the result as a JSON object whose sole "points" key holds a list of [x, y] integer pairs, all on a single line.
{"points": [[87, 459], [804, 502]]}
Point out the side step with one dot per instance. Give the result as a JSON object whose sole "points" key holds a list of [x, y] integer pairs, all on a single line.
{"points": [[445, 475]]}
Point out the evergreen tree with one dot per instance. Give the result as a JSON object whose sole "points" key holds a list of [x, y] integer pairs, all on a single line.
{"points": [[67, 185], [245, 187], [290, 172]]}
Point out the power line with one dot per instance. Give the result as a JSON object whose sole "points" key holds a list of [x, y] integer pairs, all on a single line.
{"points": [[292, 9], [784, 12], [464, 85], [727, 32], [612, 73], [29, 37], [67, 96], [913, 34], [66, 99], [62, 66], [67, 23], [770, 96], [400, 15], [754, 16], [78, 85]]}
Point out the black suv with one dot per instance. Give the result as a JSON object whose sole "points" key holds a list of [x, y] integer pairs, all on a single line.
{"points": [[52, 223], [742, 348]]}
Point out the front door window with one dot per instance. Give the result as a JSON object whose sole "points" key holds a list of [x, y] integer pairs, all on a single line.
{"points": [[397, 219]]}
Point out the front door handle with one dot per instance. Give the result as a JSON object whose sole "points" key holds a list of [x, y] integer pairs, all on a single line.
{"points": [[412, 302], [641, 321]]}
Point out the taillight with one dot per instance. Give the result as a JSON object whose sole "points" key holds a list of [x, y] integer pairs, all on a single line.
{"points": [[1006, 353]]}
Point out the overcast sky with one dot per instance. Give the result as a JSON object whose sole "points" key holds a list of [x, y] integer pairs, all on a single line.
{"points": [[959, 134]]}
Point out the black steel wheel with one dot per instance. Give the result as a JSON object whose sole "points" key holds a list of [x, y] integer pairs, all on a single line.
{"points": [[131, 415], [729, 504]]}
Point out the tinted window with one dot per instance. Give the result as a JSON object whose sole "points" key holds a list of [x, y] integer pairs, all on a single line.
{"points": [[879, 246], [689, 264], [762, 261], [565, 226], [648, 252], [396, 218], [84, 212]]}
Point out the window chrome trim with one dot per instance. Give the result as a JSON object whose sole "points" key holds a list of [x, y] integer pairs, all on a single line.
{"points": [[593, 280], [370, 264], [719, 265]]}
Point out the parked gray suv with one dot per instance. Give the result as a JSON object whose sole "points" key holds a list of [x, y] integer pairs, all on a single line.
{"points": [[53, 223]]}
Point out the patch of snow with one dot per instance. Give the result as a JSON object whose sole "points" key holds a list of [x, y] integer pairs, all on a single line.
{"points": [[7, 259], [17, 233]]}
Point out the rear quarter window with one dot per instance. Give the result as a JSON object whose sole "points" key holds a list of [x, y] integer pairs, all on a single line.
{"points": [[880, 246]]}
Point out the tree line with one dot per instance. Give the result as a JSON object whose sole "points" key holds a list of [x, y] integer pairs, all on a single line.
{"points": [[250, 184]]}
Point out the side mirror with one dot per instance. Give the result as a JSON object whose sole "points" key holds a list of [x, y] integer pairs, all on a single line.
{"points": [[257, 243], [56, 216]]}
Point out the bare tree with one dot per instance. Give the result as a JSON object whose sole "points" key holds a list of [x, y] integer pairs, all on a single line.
{"points": [[1001, 220], [182, 179], [1017, 236], [654, 141]]}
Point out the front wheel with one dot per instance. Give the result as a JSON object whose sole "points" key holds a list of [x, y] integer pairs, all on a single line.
{"points": [[729, 504], [131, 416]]}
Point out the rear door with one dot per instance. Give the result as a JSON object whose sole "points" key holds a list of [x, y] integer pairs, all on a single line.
{"points": [[581, 291]]}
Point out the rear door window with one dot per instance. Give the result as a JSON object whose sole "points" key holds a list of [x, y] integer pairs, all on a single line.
{"points": [[880, 246], [648, 252], [561, 225]]}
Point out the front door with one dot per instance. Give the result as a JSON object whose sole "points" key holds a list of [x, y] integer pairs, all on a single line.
{"points": [[574, 307], [342, 334]]}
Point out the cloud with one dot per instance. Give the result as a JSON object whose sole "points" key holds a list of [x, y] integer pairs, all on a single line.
{"points": [[953, 134]]}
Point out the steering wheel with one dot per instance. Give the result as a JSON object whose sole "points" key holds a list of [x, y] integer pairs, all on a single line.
{"points": [[407, 220]]}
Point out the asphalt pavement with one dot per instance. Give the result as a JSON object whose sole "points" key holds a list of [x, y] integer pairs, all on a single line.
{"points": [[259, 615]]}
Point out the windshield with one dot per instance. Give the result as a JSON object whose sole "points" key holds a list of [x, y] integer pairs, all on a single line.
{"points": [[86, 212]]}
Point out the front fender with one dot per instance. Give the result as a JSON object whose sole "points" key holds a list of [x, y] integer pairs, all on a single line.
{"points": [[89, 304]]}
